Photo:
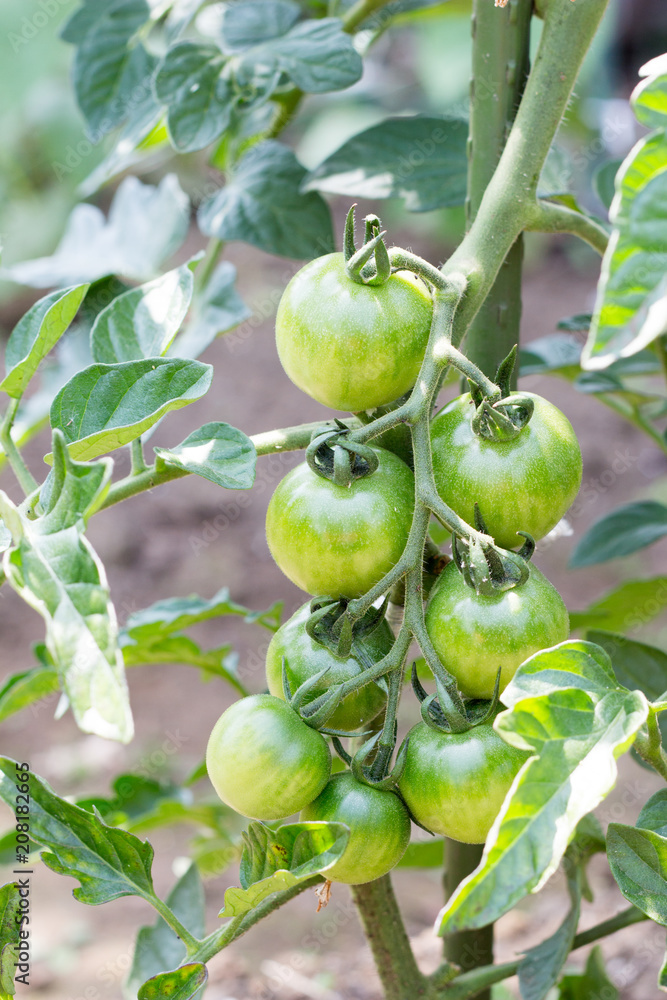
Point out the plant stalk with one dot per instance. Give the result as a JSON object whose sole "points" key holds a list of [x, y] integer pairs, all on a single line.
{"points": [[26, 480], [474, 948]]}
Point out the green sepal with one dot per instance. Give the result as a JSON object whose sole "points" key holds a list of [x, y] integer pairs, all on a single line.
{"points": [[487, 568], [358, 265], [332, 455], [503, 420]]}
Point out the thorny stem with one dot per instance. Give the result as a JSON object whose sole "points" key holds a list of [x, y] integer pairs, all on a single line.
{"points": [[26, 480]]}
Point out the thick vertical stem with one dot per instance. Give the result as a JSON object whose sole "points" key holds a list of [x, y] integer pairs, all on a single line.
{"points": [[500, 65], [387, 937], [467, 949]]}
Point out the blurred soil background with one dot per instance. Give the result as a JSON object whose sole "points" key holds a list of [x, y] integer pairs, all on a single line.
{"points": [[190, 536]]}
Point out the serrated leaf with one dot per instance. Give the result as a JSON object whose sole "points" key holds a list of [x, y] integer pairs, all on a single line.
{"points": [[109, 67], [123, 401], [181, 984], [631, 307], [10, 928], [109, 863], [275, 860], [317, 56], [217, 310], [593, 982], [638, 861], [620, 533], [177, 613], [55, 570], [556, 354], [654, 814], [221, 662], [143, 322], [263, 205], [565, 705], [199, 100], [240, 26], [157, 947], [632, 605], [26, 687], [422, 160], [146, 225], [217, 452], [36, 334]]}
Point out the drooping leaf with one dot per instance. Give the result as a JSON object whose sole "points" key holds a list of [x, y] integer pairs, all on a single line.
{"points": [[625, 608], [157, 947], [123, 400], [183, 983], [26, 687], [263, 205], [638, 861], [240, 26], [631, 308], [620, 533], [53, 567], [36, 334], [108, 862], [275, 860], [217, 311], [177, 613], [422, 160], [217, 452], [146, 225], [566, 706], [11, 925], [593, 982], [142, 322]]}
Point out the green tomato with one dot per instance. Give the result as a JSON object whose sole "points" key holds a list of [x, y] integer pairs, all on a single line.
{"points": [[304, 657], [264, 761], [474, 635], [526, 484], [379, 827], [341, 540], [454, 783], [351, 346]]}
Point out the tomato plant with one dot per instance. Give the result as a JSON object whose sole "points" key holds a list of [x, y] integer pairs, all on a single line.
{"points": [[340, 540], [304, 657], [455, 783], [524, 484], [264, 761], [379, 827], [475, 635], [372, 337]]}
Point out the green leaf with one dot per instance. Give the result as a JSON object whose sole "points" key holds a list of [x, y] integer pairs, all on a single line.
{"points": [[157, 947], [124, 400], [579, 323], [556, 354], [181, 984], [608, 381], [422, 160], [199, 100], [654, 814], [604, 181], [638, 861], [217, 452], [317, 56], [625, 608], [631, 308], [593, 982], [146, 225], [10, 928], [137, 140], [37, 334], [263, 205], [143, 322], [275, 860], [221, 662], [565, 705], [243, 25], [57, 572], [109, 69], [426, 854], [216, 311], [620, 533], [541, 966], [108, 863], [556, 175], [22, 689], [177, 613]]}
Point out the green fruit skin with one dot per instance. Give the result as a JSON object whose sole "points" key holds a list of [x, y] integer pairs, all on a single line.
{"points": [[304, 658], [340, 540], [454, 783], [379, 828], [474, 635], [264, 761], [526, 484], [352, 346]]}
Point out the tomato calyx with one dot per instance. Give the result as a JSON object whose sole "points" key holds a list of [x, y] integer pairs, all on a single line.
{"points": [[374, 772], [358, 266], [487, 568], [501, 419], [334, 455], [435, 712], [315, 713], [331, 626]]}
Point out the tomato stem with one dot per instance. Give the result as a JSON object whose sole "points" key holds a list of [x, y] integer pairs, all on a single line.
{"points": [[26, 480], [549, 217]]}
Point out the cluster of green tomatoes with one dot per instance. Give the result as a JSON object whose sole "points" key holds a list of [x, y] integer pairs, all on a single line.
{"points": [[356, 346]]}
